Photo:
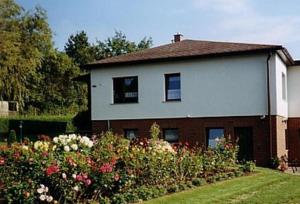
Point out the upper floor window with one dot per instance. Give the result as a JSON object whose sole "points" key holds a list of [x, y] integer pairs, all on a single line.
{"points": [[213, 136], [283, 81], [173, 92], [125, 89]]}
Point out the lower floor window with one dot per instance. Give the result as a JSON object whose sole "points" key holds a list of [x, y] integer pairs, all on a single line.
{"points": [[171, 135], [213, 136], [130, 134]]}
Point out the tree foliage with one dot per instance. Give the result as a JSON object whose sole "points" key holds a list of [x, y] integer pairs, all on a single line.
{"points": [[38, 76], [25, 37], [118, 45], [79, 48]]}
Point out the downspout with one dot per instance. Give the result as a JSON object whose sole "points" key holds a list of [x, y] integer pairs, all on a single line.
{"points": [[108, 125], [269, 104]]}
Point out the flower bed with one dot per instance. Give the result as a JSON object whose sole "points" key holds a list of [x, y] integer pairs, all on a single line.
{"points": [[71, 168]]}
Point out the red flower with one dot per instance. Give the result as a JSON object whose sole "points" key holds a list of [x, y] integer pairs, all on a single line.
{"points": [[52, 170], [2, 161], [106, 168]]}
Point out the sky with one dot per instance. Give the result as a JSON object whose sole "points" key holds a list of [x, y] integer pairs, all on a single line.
{"points": [[254, 21]]}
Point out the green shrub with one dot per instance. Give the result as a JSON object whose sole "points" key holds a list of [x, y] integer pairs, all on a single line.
{"points": [[198, 182], [119, 199], [12, 137], [173, 188], [274, 162], [182, 186], [104, 200], [248, 166]]}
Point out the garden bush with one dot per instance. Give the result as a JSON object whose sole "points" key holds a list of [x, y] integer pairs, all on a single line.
{"points": [[109, 169]]}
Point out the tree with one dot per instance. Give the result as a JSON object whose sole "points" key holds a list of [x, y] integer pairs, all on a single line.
{"points": [[79, 49], [25, 37], [60, 94], [118, 45]]}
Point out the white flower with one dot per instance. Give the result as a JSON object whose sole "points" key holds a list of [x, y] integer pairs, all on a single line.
{"points": [[67, 148], [76, 188], [72, 136], [74, 147], [74, 176], [49, 199], [46, 189], [25, 147], [64, 176], [40, 190], [55, 139], [90, 144], [54, 148], [42, 197]]}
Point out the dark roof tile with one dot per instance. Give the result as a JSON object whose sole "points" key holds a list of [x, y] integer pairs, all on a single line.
{"points": [[183, 49]]}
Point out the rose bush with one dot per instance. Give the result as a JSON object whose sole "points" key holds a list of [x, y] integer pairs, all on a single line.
{"points": [[110, 169]]}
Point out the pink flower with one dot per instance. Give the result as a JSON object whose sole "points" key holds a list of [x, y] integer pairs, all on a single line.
{"points": [[2, 161], [52, 170], [79, 177], [84, 176], [106, 168], [87, 182], [117, 177]]}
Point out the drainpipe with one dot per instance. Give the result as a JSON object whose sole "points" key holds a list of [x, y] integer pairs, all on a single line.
{"points": [[108, 125], [269, 104]]}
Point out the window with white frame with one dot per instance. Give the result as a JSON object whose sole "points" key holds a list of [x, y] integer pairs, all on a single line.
{"points": [[125, 89], [173, 87]]}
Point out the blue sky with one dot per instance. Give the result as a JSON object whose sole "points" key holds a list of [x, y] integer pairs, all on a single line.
{"points": [[256, 21]]}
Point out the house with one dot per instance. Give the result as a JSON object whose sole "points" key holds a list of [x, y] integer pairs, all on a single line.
{"points": [[199, 91], [8, 108]]}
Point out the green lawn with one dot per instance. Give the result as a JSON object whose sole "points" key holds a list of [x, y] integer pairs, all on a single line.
{"points": [[265, 186]]}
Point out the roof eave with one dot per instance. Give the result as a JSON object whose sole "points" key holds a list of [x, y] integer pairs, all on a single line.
{"points": [[179, 58]]}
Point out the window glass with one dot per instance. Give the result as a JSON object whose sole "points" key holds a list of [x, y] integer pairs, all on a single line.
{"points": [[172, 87], [130, 133], [171, 135], [125, 90], [214, 135]]}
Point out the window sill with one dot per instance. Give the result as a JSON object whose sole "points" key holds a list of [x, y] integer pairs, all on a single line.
{"points": [[124, 103], [172, 101]]}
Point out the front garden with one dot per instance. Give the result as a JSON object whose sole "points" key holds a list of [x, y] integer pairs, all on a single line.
{"points": [[110, 168]]}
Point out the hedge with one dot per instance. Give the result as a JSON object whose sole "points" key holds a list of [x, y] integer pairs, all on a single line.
{"points": [[36, 125]]}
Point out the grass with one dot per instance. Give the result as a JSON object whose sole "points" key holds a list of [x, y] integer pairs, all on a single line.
{"points": [[265, 186]]}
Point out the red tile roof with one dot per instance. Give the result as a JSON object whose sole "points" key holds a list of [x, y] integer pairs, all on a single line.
{"points": [[182, 50]]}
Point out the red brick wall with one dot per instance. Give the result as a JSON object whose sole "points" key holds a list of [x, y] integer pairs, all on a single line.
{"points": [[294, 139], [193, 130]]}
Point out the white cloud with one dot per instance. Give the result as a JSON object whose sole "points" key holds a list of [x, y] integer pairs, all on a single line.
{"points": [[238, 20]]}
